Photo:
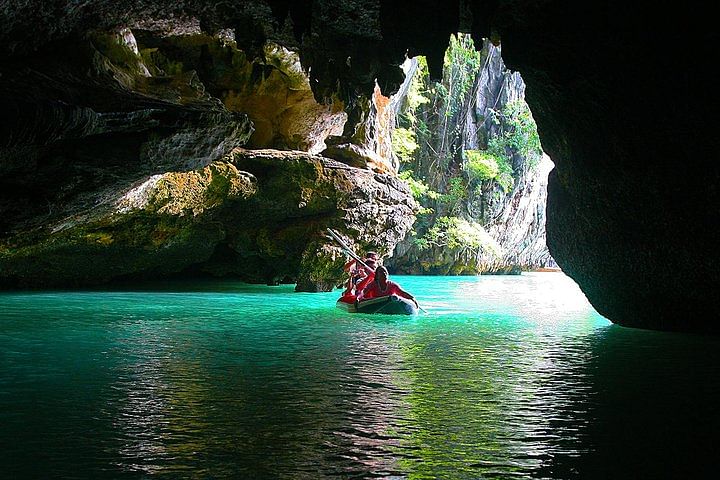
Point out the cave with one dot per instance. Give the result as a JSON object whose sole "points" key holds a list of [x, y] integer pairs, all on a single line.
{"points": [[622, 95]]}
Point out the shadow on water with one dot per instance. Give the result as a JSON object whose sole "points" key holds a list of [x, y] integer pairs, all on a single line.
{"points": [[653, 409], [670, 397]]}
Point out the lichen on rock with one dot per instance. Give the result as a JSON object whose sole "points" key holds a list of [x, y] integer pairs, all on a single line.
{"points": [[258, 215]]}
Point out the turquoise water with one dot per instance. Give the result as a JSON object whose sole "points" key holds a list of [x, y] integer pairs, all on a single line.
{"points": [[503, 377]]}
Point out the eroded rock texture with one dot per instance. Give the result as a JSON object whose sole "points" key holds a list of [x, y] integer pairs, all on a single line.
{"points": [[258, 215], [497, 224], [121, 161]]}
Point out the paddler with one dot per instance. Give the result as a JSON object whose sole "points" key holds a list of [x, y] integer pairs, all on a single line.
{"points": [[379, 285], [358, 272]]}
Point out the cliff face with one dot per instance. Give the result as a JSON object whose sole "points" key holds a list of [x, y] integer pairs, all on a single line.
{"points": [[515, 217], [632, 204], [471, 140]]}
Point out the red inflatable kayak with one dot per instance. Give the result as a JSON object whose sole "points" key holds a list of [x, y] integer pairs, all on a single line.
{"points": [[390, 305]]}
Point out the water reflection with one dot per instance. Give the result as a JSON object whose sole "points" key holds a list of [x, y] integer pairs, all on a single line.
{"points": [[500, 380], [491, 406], [156, 404], [655, 409]]}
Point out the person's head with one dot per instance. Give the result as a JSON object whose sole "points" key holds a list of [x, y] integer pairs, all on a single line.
{"points": [[372, 255], [381, 274], [371, 263]]}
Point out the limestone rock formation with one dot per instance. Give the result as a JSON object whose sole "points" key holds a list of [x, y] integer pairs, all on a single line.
{"points": [[128, 166], [517, 217], [258, 215], [632, 203]]}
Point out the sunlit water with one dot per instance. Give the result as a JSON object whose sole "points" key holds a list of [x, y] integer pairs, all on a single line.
{"points": [[503, 377]]}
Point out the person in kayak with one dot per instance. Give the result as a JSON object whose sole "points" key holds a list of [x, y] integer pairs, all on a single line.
{"points": [[381, 286], [352, 265], [358, 273]]}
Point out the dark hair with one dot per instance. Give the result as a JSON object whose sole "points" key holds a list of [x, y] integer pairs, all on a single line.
{"points": [[371, 255]]}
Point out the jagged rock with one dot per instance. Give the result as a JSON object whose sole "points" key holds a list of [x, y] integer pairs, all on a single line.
{"points": [[357, 156], [271, 88], [373, 212], [156, 228], [518, 216], [88, 122], [366, 141], [134, 176], [259, 215]]}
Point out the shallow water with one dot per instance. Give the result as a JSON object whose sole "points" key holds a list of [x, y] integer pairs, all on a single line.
{"points": [[503, 377]]}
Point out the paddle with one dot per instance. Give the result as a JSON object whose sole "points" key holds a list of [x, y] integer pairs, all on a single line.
{"points": [[334, 236]]}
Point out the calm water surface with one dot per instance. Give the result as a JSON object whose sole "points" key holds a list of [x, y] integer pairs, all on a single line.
{"points": [[503, 377]]}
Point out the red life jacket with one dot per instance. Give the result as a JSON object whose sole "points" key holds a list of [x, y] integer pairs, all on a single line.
{"points": [[374, 291]]}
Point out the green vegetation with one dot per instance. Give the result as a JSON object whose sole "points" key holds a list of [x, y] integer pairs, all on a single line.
{"points": [[420, 190], [417, 93], [462, 63], [432, 141], [518, 136], [459, 234], [461, 66], [481, 165], [490, 165], [521, 131], [457, 191], [404, 143], [428, 124], [428, 137]]}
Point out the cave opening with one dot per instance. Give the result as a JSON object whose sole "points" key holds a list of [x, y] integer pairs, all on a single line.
{"points": [[468, 147], [173, 140], [185, 101]]}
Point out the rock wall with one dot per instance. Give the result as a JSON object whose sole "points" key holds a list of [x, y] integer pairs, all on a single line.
{"points": [[257, 215], [87, 119], [121, 161], [515, 218], [632, 206]]}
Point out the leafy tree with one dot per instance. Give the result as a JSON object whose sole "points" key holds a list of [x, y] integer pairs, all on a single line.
{"points": [[459, 234], [481, 165], [519, 133], [420, 190], [456, 192]]}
